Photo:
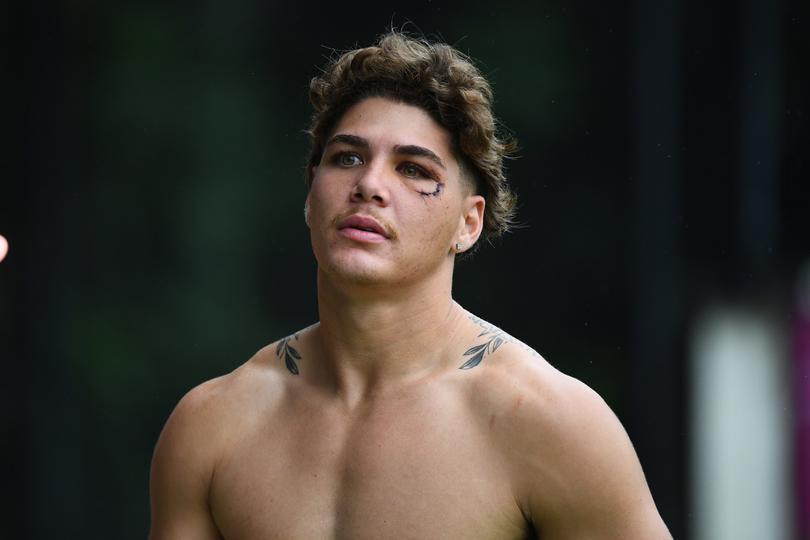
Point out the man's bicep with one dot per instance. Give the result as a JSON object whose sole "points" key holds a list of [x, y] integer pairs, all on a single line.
{"points": [[600, 489], [182, 465]]}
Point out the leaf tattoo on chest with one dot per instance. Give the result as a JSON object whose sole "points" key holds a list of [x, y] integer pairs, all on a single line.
{"points": [[495, 338], [289, 353]]}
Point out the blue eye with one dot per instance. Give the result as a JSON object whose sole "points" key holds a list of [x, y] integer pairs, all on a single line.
{"points": [[410, 170], [347, 159]]}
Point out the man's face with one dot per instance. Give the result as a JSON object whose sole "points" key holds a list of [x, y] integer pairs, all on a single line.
{"points": [[387, 202]]}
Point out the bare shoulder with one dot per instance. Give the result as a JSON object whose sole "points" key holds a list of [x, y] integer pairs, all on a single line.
{"points": [[215, 408], [205, 421], [519, 387], [574, 469], [217, 401], [209, 412]]}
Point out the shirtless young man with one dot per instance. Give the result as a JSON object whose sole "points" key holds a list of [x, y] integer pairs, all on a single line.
{"points": [[399, 415]]}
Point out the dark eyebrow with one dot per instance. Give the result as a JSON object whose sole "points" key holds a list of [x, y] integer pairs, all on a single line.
{"points": [[403, 149], [413, 150], [351, 140]]}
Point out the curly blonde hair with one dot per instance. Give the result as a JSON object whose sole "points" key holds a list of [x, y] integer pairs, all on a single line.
{"points": [[440, 80]]}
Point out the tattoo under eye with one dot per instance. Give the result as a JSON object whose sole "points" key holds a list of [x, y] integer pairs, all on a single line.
{"points": [[435, 193], [423, 177]]}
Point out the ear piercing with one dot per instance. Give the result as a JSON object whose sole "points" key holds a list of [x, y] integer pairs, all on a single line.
{"points": [[459, 245]]}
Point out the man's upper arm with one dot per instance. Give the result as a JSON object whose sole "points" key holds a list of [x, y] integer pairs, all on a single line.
{"points": [[182, 466], [589, 482]]}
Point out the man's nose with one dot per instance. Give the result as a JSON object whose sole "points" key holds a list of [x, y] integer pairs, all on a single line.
{"points": [[372, 186]]}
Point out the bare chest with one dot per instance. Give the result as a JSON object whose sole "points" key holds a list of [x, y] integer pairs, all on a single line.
{"points": [[410, 469]]}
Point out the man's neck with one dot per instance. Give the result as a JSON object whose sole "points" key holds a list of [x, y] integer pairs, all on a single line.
{"points": [[371, 341]]}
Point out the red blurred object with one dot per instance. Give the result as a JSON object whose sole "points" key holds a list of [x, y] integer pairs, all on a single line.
{"points": [[801, 350]]}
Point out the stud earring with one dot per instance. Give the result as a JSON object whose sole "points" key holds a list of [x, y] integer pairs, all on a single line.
{"points": [[459, 245]]}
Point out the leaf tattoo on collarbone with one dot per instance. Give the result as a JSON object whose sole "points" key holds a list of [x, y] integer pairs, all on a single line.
{"points": [[495, 338], [290, 354]]}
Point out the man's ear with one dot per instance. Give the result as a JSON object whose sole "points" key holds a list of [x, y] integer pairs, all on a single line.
{"points": [[471, 223]]}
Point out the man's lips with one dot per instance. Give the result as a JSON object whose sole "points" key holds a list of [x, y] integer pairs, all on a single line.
{"points": [[364, 223], [363, 228]]}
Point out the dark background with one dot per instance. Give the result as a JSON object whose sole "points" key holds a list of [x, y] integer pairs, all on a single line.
{"points": [[152, 197]]}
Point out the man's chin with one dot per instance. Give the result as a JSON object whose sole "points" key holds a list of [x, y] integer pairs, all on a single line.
{"points": [[356, 272]]}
